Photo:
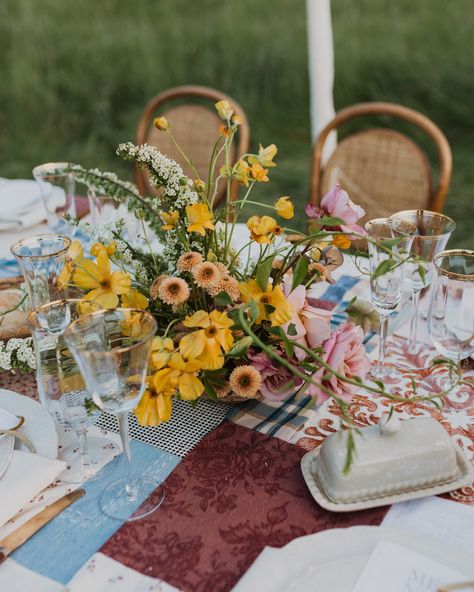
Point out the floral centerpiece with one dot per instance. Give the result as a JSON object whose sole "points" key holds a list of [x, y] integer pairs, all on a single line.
{"points": [[234, 325]]}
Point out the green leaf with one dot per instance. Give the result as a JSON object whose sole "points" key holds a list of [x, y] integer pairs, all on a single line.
{"points": [[299, 272], [292, 330], [254, 310], [263, 273], [210, 392], [382, 268], [240, 348], [289, 349], [223, 299], [350, 452], [422, 272], [331, 221]]}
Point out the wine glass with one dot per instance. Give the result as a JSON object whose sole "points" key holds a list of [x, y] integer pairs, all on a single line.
{"points": [[112, 348], [61, 388], [104, 209], [58, 192], [389, 243], [41, 258], [451, 312], [432, 233]]}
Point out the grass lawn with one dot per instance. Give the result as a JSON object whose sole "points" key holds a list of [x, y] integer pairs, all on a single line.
{"points": [[75, 76]]}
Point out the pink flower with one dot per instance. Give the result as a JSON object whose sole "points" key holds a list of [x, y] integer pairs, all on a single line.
{"points": [[344, 351], [278, 382], [310, 325], [337, 204]]}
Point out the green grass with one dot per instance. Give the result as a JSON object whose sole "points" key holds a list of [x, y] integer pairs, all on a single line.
{"points": [[75, 76]]}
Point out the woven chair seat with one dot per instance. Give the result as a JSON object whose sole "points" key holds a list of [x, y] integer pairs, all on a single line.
{"points": [[381, 169]]}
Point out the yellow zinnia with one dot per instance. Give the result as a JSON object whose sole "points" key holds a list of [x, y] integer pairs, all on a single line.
{"points": [[284, 207], [262, 228], [207, 344], [105, 286], [273, 296], [153, 408], [134, 299], [265, 156], [180, 376], [170, 219], [199, 218]]}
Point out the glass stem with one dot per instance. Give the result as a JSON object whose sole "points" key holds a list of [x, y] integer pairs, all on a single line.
{"points": [[414, 318], [130, 487], [383, 337], [83, 448]]}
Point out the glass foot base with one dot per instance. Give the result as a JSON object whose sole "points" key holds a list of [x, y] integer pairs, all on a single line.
{"points": [[101, 451], [380, 372], [147, 497]]}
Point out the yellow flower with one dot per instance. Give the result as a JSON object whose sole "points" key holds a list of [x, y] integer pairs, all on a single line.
{"points": [[161, 123], [284, 207], [161, 350], [105, 286], [206, 344], [237, 120], [225, 130], [265, 156], [281, 312], [341, 241], [199, 185], [134, 299], [199, 218], [75, 252], [132, 325], [261, 227], [154, 408], [224, 110], [179, 375], [259, 173], [108, 250], [170, 219], [241, 172], [63, 278]]}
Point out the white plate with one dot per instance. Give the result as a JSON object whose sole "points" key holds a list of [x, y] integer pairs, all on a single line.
{"points": [[39, 426], [17, 195], [465, 477], [336, 558], [6, 451]]}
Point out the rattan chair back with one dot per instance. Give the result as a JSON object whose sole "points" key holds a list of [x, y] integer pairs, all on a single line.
{"points": [[194, 124], [382, 169]]}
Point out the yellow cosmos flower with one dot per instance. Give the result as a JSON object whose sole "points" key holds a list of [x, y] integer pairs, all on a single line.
{"points": [[281, 312], [224, 110], [262, 228], [132, 325], [75, 252], [284, 207], [265, 156], [161, 350], [206, 344], [170, 219], [180, 376], [99, 248], [199, 218], [258, 173], [63, 278], [134, 299], [154, 408], [105, 286], [341, 241], [161, 123], [241, 172]]}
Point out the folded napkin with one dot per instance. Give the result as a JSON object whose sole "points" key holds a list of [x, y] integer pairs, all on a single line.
{"points": [[27, 475]]}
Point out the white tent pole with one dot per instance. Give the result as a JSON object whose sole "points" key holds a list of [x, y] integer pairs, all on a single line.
{"points": [[321, 68]]}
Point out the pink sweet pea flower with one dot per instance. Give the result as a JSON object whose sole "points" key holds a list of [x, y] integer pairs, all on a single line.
{"points": [[311, 324], [344, 351], [337, 204]]}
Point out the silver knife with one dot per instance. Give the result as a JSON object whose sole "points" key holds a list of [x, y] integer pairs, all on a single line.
{"points": [[29, 528]]}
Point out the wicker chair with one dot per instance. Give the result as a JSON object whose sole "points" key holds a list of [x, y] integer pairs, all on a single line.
{"points": [[382, 169], [194, 123]]}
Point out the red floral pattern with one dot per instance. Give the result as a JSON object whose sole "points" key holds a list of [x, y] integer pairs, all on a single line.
{"points": [[235, 493]]}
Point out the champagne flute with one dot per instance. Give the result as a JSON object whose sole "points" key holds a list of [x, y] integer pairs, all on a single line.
{"points": [[451, 315], [112, 348], [432, 233], [389, 243], [62, 391]]}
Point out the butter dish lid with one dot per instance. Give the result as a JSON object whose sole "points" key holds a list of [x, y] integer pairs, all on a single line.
{"points": [[389, 458]]}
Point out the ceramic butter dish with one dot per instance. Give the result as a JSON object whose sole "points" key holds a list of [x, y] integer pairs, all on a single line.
{"points": [[390, 458]]}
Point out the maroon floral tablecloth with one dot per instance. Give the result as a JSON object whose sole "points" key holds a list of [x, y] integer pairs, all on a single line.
{"points": [[235, 493]]}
